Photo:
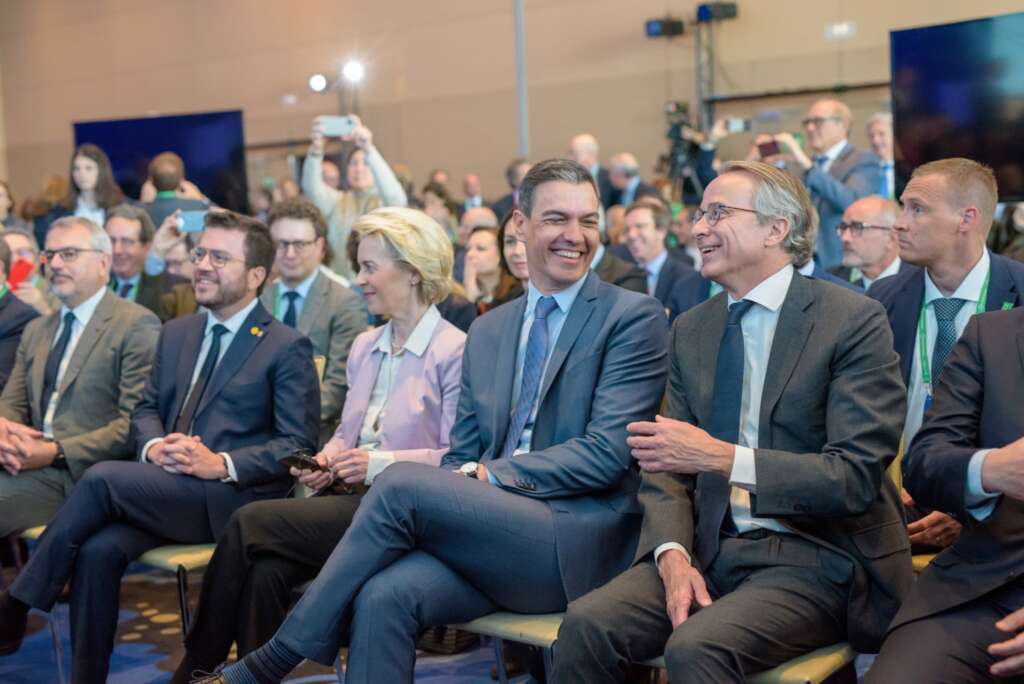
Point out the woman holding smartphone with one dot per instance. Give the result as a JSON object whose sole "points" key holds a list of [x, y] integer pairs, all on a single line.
{"points": [[369, 183], [403, 392]]}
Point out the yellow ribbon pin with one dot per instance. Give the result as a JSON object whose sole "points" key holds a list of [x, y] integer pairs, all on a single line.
{"points": [[256, 331]]}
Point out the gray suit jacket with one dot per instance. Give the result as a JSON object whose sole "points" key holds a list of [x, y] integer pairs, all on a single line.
{"points": [[854, 174], [607, 370], [103, 381], [831, 414], [331, 318]]}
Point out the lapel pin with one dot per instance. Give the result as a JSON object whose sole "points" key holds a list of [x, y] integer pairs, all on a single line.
{"points": [[256, 331]]}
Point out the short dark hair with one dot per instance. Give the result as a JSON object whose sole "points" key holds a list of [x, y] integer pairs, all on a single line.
{"points": [[133, 213], [301, 209], [564, 170], [662, 217], [5, 258], [442, 192], [510, 170], [167, 171], [258, 247]]}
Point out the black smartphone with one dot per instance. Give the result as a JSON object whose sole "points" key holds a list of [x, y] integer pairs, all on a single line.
{"points": [[302, 459], [768, 149]]}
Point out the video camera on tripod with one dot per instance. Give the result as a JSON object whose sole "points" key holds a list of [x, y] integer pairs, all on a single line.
{"points": [[680, 164]]}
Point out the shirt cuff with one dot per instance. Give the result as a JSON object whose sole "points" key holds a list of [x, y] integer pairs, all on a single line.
{"points": [[744, 472], [668, 546], [379, 460], [230, 465], [978, 502], [146, 446]]}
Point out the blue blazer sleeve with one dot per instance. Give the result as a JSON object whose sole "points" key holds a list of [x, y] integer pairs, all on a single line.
{"points": [[862, 180], [147, 423], [629, 388]]}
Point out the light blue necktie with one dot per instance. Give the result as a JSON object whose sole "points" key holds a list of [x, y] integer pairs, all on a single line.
{"points": [[883, 188], [820, 161], [945, 315], [533, 369]]}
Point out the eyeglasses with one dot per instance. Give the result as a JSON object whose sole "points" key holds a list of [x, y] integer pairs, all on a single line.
{"points": [[218, 259], [67, 255], [857, 228], [716, 212], [818, 121], [299, 246]]}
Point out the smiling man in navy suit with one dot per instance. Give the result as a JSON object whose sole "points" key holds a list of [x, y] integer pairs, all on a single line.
{"points": [[231, 392]]}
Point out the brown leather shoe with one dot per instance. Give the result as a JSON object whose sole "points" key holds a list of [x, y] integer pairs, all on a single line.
{"points": [[13, 620]]}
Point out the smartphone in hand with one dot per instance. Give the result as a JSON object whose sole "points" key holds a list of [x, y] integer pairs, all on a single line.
{"points": [[336, 126]]}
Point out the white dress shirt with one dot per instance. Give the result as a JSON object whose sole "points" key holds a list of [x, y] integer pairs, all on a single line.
{"points": [[96, 214], [384, 383], [890, 270], [831, 154], [653, 269], [232, 324], [83, 314], [302, 289], [556, 319], [758, 326]]}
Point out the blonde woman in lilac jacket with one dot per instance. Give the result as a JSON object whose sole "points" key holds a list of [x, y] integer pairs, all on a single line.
{"points": [[403, 383]]}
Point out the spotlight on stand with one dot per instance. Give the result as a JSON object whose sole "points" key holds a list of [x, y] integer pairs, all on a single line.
{"points": [[668, 27], [318, 83], [715, 11]]}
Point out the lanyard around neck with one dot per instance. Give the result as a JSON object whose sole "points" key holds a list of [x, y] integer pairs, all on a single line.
{"points": [[922, 332]]}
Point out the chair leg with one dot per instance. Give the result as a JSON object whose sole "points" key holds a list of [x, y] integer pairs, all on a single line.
{"points": [[186, 612], [339, 668], [499, 659], [58, 648], [547, 653]]}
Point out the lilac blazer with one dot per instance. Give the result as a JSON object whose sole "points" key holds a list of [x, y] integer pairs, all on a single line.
{"points": [[421, 410]]}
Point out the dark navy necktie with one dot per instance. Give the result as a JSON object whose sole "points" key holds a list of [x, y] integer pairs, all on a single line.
{"points": [[53, 360], [533, 369], [289, 313], [946, 310], [184, 422]]}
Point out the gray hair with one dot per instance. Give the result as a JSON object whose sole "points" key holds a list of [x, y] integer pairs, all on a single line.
{"points": [[780, 194], [132, 213], [878, 117], [550, 170], [98, 238]]}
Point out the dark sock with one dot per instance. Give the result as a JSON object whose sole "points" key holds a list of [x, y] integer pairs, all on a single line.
{"points": [[268, 664]]}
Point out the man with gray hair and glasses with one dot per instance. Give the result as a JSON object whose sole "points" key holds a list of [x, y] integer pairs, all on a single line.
{"points": [[78, 374], [770, 528], [870, 248]]}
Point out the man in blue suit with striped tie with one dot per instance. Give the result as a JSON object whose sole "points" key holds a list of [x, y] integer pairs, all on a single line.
{"points": [[534, 504]]}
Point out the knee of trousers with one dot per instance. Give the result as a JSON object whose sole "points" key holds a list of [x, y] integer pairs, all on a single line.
{"points": [[587, 626], [103, 554], [382, 596], [395, 481], [100, 475], [689, 652]]}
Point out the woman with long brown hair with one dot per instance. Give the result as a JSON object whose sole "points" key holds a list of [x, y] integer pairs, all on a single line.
{"points": [[91, 190]]}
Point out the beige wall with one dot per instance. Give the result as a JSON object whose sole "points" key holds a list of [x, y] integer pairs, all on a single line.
{"points": [[440, 88]]}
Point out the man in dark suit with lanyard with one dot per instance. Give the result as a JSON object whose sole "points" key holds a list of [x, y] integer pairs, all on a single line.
{"points": [[948, 207], [962, 619], [231, 392]]}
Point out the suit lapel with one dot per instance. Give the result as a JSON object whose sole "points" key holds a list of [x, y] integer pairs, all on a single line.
{"points": [[97, 324], [148, 293], [578, 316], [314, 304], [791, 335], [840, 166], [39, 362], [1001, 287], [505, 373], [709, 342], [359, 392], [705, 293], [236, 355], [267, 297], [906, 309], [187, 356]]}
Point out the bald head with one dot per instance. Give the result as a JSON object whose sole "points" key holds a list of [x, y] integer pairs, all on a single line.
{"points": [[471, 185], [622, 168], [869, 242], [477, 217], [584, 150], [828, 122]]}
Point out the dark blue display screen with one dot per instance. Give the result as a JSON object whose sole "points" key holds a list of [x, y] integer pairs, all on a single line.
{"points": [[212, 145], [958, 91]]}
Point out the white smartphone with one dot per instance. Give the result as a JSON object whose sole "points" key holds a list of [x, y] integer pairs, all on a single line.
{"points": [[336, 126]]}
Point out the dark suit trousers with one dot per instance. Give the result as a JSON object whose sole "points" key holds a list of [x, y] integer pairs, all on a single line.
{"points": [[115, 513], [267, 550], [951, 647], [426, 547], [774, 599]]}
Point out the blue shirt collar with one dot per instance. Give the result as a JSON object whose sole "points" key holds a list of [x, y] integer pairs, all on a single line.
{"points": [[302, 288], [657, 263], [564, 298]]}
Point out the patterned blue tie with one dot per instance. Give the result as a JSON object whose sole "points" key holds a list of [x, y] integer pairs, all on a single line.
{"points": [[945, 315], [533, 369], [289, 313]]}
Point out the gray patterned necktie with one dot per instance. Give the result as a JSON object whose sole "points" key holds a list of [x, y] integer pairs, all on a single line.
{"points": [[945, 310]]}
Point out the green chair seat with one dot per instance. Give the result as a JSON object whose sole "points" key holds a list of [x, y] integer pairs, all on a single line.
{"points": [[542, 630]]}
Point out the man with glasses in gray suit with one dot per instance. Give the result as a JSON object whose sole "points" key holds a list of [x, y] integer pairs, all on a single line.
{"points": [[78, 374]]}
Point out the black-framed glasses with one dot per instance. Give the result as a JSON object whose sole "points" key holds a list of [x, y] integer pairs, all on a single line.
{"points": [[818, 121], [299, 246], [716, 211], [857, 228], [67, 255], [218, 259]]}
